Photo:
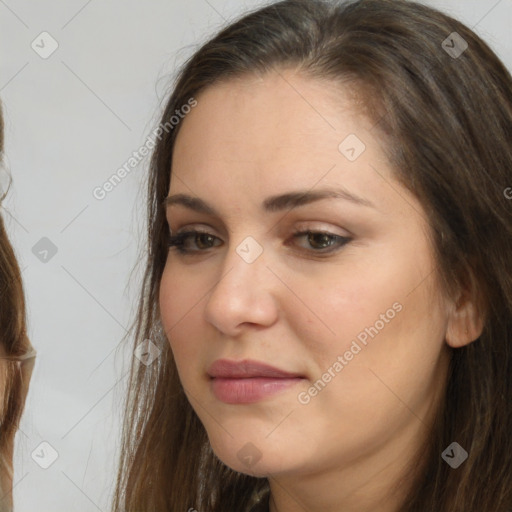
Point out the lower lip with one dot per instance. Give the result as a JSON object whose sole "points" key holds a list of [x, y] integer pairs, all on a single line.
{"points": [[249, 390]]}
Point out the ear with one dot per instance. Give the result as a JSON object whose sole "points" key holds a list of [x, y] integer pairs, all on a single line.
{"points": [[466, 320]]}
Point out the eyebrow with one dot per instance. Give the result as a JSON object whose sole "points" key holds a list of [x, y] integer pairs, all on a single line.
{"points": [[271, 204]]}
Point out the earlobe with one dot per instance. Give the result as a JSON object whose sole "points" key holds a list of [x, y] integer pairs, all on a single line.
{"points": [[465, 323]]}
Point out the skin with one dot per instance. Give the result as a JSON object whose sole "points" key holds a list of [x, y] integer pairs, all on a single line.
{"points": [[254, 137]]}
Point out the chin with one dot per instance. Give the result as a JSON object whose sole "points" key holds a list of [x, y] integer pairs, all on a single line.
{"points": [[248, 459], [259, 470]]}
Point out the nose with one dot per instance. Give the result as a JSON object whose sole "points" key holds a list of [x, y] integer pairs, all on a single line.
{"points": [[244, 293]]}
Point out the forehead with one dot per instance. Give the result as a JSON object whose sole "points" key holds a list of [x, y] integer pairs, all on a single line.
{"points": [[271, 116], [260, 135]]}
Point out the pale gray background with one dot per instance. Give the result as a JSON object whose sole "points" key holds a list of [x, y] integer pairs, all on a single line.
{"points": [[71, 121]]}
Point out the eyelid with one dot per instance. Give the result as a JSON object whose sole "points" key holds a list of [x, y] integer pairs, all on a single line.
{"points": [[192, 227], [311, 225], [176, 241], [333, 230]]}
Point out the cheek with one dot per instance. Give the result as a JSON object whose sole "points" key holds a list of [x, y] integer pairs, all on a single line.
{"points": [[378, 312], [180, 296], [339, 303], [389, 364], [181, 303]]}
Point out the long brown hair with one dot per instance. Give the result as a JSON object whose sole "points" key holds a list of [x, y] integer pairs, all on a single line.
{"points": [[16, 353], [444, 112]]}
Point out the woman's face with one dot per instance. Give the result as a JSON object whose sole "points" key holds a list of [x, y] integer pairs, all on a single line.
{"points": [[359, 318]]}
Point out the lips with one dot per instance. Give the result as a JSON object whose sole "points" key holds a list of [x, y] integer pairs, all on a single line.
{"points": [[248, 368], [249, 381]]}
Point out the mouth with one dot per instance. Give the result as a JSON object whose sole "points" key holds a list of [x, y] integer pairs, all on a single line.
{"points": [[249, 390], [248, 381], [248, 368]]}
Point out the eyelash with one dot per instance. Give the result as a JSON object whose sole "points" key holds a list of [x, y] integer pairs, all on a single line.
{"points": [[178, 241]]}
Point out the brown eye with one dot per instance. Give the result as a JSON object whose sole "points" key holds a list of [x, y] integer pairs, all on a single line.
{"points": [[198, 238], [320, 240]]}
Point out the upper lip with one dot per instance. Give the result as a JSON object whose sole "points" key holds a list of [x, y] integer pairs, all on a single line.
{"points": [[247, 368]]}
